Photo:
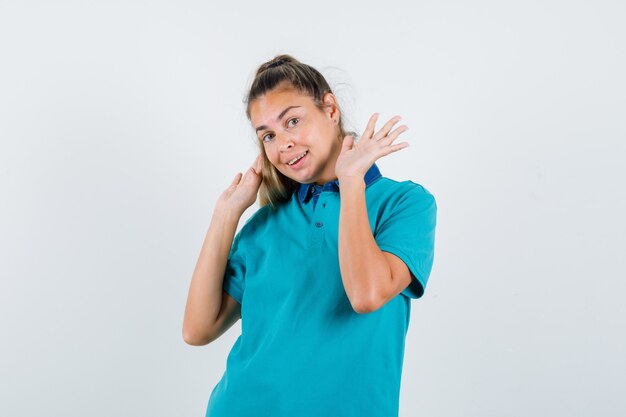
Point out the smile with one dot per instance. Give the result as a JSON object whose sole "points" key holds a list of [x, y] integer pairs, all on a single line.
{"points": [[297, 159]]}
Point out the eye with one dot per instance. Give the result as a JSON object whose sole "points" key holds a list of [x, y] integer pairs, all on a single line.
{"points": [[296, 120]]}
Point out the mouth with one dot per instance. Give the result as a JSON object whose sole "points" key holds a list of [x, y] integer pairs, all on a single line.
{"points": [[298, 161]]}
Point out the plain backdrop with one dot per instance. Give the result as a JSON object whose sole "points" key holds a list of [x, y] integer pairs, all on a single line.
{"points": [[122, 121]]}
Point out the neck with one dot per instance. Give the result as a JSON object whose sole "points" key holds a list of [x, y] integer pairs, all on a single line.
{"points": [[329, 169]]}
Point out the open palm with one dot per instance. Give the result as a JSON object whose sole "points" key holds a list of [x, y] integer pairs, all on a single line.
{"points": [[357, 157]]}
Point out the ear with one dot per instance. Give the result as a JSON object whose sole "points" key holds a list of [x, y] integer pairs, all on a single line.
{"points": [[330, 106]]}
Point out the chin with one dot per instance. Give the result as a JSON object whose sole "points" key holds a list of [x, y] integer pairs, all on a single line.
{"points": [[288, 174]]}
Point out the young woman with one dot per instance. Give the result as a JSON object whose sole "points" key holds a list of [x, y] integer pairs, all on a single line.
{"points": [[322, 274]]}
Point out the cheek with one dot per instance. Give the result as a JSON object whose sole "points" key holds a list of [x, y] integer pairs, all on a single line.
{"points": [[272, 155], [327, 131]]}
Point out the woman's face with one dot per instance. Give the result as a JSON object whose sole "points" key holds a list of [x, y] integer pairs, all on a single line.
{"points": [[289, 124]]}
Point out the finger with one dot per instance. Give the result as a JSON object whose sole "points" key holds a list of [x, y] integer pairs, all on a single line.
{"points": [[258, 164], [386, 128], [393, 135], [249, 173], [252, 177], [371, 124], [393, 148], [347, 143], [236, 179]]}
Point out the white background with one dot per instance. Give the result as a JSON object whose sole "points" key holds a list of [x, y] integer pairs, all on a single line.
{"points": [[122, 121]]}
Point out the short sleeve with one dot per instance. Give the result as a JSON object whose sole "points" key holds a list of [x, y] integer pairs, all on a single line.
{"points": [[235, 270], [407, 230]]}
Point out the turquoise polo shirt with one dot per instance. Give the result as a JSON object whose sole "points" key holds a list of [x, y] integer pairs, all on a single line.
{"points": [[303, 350]]}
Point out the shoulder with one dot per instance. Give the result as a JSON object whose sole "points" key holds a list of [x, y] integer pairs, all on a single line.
{"points": [[265, 219], [396, 192], [255, 223]]}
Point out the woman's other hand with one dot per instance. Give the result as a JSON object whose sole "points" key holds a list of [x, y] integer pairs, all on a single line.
{"points": [[242, 192]]}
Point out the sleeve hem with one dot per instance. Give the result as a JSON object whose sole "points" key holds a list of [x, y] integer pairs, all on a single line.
{"points": [[408, 291], [234, 292]]}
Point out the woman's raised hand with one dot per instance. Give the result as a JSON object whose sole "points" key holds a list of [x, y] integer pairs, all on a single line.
{"points": [[356, 158], [243, 191]]}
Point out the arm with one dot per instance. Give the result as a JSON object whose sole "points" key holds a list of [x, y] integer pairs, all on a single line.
{"points": [[206, 316], [370, 276]]}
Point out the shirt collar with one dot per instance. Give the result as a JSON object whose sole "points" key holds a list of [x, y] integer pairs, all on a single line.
{"points": [[306, 191]]}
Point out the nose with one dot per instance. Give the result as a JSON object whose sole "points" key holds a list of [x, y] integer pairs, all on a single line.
{"points": [[285, 142]]}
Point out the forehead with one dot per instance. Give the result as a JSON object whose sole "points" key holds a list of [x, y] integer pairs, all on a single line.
{"points": [[267, 107]]}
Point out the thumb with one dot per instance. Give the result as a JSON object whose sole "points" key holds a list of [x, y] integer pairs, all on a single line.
{"points": [[347, 143]]}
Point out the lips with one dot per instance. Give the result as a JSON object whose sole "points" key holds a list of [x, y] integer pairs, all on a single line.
{"points": [[300, 155]]}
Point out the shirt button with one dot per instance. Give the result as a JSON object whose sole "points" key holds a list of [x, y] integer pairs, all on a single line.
{"points": [[319, 224]]}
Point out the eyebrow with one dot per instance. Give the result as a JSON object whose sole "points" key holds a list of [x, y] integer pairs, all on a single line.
{"points": [[280, 116]]}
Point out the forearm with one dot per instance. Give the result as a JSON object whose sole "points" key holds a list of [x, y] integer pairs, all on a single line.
{"points": [[205, 292], [364, 269]]}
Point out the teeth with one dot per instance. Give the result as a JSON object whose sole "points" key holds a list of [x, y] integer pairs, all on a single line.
{"points": [[296, 159]]}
